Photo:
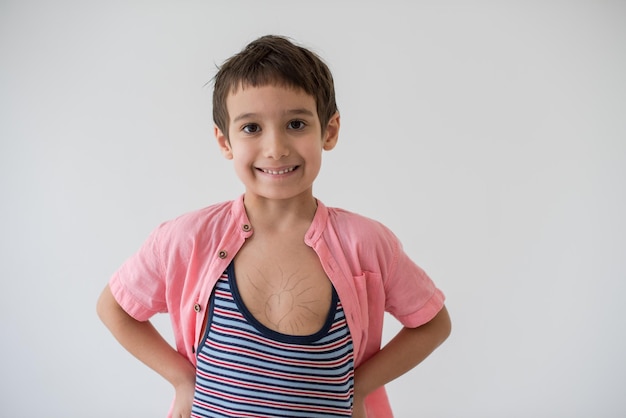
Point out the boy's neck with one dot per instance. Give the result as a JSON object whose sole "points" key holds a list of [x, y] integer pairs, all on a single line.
{"points": [[280, 215]]}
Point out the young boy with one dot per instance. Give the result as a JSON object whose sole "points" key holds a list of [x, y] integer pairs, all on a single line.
{"points": [[276, 300]]}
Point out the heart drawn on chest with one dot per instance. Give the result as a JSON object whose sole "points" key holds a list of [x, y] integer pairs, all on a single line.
{"points": [[279, 306]]}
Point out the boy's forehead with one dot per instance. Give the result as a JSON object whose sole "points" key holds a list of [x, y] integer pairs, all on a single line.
{"points": [[247, 95], [244, 85]]}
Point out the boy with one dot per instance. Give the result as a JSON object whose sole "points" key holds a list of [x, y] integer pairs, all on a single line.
{"points": [[276, 300]]}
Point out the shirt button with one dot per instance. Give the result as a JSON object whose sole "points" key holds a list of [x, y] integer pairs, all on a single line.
{"points": [[246, 227], [222, 254], [197, 307]]}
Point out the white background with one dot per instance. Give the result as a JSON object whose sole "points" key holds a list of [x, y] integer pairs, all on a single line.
{"points": [[490, 136]]}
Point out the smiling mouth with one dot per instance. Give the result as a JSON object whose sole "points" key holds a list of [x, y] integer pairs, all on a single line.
{"points": [[276, 172]]}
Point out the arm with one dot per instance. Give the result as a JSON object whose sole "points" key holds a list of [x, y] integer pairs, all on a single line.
{"points": [[405, 351], [144, 342]]}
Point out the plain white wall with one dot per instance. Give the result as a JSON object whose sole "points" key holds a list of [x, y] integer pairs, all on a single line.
{"points": [[490, 136]]}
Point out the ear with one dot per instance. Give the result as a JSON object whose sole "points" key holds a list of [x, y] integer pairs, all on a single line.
{"points": [[223, 143], [331, 135]]}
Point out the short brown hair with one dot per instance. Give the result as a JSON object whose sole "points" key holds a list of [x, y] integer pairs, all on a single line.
{"points": [[275, 60]]}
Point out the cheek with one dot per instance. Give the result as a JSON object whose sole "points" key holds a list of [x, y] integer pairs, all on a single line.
{"points": [[243, 158], [315, 160]]}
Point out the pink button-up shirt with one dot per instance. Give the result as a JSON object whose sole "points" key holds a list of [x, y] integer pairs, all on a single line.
{"points": [[177, 267]]}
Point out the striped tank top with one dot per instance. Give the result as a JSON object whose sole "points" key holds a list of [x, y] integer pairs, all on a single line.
{"points": [[245, 369]]}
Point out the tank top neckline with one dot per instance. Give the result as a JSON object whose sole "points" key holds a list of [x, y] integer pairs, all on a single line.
{"points": [[276, 335]]}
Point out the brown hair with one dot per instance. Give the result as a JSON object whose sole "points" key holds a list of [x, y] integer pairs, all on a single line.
{"points": [[275, 60]]}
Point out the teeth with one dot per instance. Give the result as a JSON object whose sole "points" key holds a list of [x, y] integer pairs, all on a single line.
{"points": [[287, 170]]}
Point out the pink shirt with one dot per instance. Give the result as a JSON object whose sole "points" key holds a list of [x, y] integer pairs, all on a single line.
{"points": [[177, 267]]}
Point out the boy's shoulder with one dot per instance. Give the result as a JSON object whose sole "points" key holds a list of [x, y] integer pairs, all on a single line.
{"points": [[353, 219], [202, 214], [207, 220], [357, 226]]}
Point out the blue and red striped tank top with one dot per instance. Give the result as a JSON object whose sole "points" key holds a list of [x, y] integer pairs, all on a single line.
{"points": [[245, 369]]}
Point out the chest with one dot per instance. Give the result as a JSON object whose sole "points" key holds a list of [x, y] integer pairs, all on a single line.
{"points": [[244, 367], [283, 285]]}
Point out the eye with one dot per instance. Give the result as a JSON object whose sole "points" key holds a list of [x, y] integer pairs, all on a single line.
{"points": [[251, 128], [297, 125]]}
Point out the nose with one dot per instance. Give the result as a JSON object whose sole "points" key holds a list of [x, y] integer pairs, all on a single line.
{"points": [[275, 145]]}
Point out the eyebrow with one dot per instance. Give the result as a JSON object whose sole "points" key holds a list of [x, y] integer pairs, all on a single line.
{"points": [[294, 112]]}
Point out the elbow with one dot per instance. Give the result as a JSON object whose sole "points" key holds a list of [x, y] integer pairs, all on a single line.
{"points": [[106, 305], [443, 325], [100, 308]]}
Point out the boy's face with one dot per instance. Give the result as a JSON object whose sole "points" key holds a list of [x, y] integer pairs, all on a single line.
{"points": [[275, 140]]}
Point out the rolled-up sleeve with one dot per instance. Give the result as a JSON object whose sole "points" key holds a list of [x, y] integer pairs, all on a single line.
{"points": [[411, 295], [139, 284]]}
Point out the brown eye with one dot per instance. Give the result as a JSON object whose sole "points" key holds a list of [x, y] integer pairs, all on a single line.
{"points": [[251, 128], [297, 125]]}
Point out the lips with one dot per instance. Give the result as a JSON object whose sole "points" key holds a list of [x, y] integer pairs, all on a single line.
{"points": [[278, 171]]}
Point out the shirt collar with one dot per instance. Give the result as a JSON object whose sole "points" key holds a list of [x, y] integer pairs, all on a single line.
{"points": [[318, 224], [313, 234]]}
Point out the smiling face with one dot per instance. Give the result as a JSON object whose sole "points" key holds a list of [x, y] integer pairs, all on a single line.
{"points": [[275, 141]]}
